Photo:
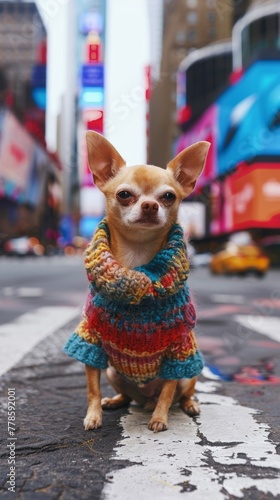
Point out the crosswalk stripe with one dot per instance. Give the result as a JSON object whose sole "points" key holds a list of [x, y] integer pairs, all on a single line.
{"points": [[166, 465], [228, 299], [18, 337], [265, 325]]}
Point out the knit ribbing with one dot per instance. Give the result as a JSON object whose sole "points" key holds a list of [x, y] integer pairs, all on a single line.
{"points": [[139, 320]]}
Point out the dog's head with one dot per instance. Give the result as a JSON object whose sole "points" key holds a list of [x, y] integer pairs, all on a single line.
{"points": [[143, 196]]}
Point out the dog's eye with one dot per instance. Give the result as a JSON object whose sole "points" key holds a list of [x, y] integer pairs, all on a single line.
{"points": [[169, 196], [124, 195]]}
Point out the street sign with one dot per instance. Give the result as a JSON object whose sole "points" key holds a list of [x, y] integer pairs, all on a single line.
{"points": [[92, 75]]}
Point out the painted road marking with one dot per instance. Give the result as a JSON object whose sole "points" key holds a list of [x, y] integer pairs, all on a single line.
{"points": [[23, 291], [219, 311], [187, 457], [228, 299], [265, 325], [18, 337]]}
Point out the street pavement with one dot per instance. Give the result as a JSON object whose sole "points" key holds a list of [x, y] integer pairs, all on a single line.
{"points": [[230, 451]]}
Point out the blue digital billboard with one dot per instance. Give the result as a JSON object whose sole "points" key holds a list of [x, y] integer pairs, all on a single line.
{"points": [[249, 117]]}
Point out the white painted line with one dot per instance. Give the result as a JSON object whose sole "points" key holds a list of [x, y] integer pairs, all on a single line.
{"points": [[24, 291], [228, 299], [206, 386], [20, 336], [30, 292], [8, 291], [208, 374], [265, 325], [186, 458]]}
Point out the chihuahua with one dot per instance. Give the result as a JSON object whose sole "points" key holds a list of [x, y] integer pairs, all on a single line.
{"points": [[142, 204]]}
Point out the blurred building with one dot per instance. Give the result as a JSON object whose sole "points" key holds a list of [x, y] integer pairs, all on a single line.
{"points": [[239, 187], [187, 24], [30, 177], [21, 33]]}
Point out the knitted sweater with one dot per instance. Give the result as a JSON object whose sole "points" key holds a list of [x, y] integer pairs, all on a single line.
{"points": [[140, 320]]}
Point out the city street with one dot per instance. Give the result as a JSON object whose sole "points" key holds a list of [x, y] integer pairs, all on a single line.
{"points": [[230, 451]]}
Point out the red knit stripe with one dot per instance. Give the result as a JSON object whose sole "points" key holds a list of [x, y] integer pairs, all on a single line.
{"points": [[144, 338]]}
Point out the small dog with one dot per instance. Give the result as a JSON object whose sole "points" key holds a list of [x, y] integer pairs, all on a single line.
{"points": [[139, 317]]}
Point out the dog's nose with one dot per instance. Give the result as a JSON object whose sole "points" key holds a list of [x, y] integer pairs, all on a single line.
{"points": [[149, 207]]}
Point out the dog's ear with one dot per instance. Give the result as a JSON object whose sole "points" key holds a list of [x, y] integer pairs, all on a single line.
{"points": [[188, 165], [104, 160]]}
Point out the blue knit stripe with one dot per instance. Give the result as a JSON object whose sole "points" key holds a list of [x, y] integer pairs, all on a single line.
{"points": [[175, 369], [164, 307], [89, 354]]}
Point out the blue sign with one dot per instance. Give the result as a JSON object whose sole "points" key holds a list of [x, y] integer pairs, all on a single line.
{"points": [[39, 76], [93, 75], [249, 122], [39, 95], [88, 225]]}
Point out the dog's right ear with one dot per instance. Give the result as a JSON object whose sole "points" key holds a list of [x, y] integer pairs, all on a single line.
{"points": [[104, 160]]}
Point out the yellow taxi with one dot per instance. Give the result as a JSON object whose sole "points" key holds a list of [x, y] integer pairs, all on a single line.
{"points": [[241, 260]]}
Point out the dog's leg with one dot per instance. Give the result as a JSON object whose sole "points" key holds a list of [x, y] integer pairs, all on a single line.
{"points": [[93, 418], [121, 399], [187, 402], [159, 420]]}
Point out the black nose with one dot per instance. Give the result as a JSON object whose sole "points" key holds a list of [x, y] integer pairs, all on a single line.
{"points": [[149, 207]]}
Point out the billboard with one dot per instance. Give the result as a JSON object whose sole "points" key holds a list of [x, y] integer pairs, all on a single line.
{"points": [[16, 153], [248, 118], [203, 130], [252, 197], [243, 124]]}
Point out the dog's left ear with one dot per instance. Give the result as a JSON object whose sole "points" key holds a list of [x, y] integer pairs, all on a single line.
{"points": [[188, 165]]}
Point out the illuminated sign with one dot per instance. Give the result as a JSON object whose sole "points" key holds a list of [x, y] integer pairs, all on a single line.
{"points": [[92, 97], [39, 75], [94, 52], [204, 130], [252, 197], [94, 120], [93, 47], [92, 75], [248, 122]]}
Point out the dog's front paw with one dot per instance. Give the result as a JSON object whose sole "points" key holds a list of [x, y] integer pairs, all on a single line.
{"points": [[158, 424], [190, 406], [92, 421]]}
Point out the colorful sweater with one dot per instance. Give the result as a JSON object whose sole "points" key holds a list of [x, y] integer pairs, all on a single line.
{"points": [[140, 320]]}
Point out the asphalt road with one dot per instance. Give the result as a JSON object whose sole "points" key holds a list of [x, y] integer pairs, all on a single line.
{"points": [[231, 451]]}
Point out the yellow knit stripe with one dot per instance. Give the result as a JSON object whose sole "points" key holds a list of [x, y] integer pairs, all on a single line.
{"points": [[131, 352], [137, 372], [85, 333]]}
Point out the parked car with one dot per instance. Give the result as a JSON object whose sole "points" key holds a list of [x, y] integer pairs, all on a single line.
{"points": [[23, 246], [241, 260], [271, 246]]}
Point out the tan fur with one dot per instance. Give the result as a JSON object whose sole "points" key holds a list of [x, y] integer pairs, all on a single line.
{"points": [[139, 226]]}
